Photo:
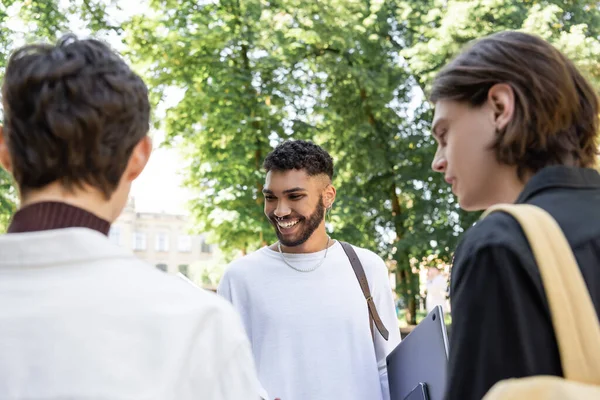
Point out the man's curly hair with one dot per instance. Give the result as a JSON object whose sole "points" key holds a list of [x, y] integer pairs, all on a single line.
{"points": [[300, 155]]}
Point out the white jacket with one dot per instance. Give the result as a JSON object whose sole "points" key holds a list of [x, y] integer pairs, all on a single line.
{"points": [[81, 318]]}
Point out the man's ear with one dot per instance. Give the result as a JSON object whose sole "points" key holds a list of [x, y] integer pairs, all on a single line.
{"points": [[5, 159], [139, 158], [501, 98], [329, 196]]}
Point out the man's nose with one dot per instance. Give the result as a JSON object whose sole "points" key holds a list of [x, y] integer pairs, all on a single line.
{"points": [[439, 162], [282, 210]]}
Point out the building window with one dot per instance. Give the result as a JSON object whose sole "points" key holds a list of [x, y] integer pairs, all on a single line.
{"points": [[162, 267], [162, 242], [183, 268], [115, 235], [139, 241], [185, 244], [205, 247]]}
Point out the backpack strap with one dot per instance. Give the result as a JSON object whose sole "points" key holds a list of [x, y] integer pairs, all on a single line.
{"points": [[364, 285], [574, 317]]}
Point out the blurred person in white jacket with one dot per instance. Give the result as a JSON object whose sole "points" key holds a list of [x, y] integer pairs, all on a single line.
{"points": [[437, 290]]}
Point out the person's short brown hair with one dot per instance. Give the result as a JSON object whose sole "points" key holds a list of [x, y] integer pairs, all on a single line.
{"points": [[73, 113], [555, 119]]}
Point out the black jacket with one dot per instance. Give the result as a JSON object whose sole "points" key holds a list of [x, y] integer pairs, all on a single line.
{"points": [[501, 324]]}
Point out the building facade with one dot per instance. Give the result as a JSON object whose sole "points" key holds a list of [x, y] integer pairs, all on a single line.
{"points": [[164, 241]]}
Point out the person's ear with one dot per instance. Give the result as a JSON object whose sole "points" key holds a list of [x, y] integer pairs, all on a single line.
{"points": [[329, 196], [5, 159], [139, 158], [501, 99]]}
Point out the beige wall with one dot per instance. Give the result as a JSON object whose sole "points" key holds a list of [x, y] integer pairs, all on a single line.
{"points": [[167, 240]]}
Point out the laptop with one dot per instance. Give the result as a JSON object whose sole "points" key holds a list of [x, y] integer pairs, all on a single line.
{"points": [[417, 367]]}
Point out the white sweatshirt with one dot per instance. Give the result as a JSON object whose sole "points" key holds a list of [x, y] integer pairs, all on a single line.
{"points": [[309, 331]]}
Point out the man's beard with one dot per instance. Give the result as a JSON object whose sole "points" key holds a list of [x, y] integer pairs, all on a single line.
{"points": [[310, 225]]}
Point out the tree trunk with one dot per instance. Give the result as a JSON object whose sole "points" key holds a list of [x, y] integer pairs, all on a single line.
{"points": [[407, 281], [406, 286]]}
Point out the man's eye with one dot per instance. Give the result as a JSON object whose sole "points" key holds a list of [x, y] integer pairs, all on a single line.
{"points": [[296, 197], [269, 198], [442, 136]]}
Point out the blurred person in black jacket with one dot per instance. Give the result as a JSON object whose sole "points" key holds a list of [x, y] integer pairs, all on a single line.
{"points": [[515, 122]]}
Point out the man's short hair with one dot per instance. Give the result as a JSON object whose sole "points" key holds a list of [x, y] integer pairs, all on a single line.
{"points": [[555, 119], [300, 155], [73, 113]]}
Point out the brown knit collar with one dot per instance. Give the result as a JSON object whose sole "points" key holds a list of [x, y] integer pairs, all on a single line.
{"points": [[55, 215]]}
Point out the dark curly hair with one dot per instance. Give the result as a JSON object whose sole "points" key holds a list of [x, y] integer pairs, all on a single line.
{"points": [[73, 112], [301, 155], [556, 110]]}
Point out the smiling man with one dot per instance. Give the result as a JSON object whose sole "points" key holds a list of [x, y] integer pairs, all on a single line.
{"points": [[300, 299]]}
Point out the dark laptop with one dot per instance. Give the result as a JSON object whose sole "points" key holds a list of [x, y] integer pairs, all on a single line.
{"points": [[417, 367]]}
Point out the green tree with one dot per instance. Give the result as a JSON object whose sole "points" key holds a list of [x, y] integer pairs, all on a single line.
{"points": [[350, 75], [434, 31], [7, 199], [255, 75], [221, 56], [364, 114], [430, 33]]}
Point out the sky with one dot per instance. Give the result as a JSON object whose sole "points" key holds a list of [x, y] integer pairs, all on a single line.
{"points": [[159, 187]]}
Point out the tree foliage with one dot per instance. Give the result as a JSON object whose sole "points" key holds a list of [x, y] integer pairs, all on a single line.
{"points": [[435, 30], [347, 74]]}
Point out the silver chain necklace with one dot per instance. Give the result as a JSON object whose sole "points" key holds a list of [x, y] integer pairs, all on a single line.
{"points": [[304, 270]]}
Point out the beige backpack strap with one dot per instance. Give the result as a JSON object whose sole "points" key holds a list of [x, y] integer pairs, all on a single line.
{"points": [[574, 318]]}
